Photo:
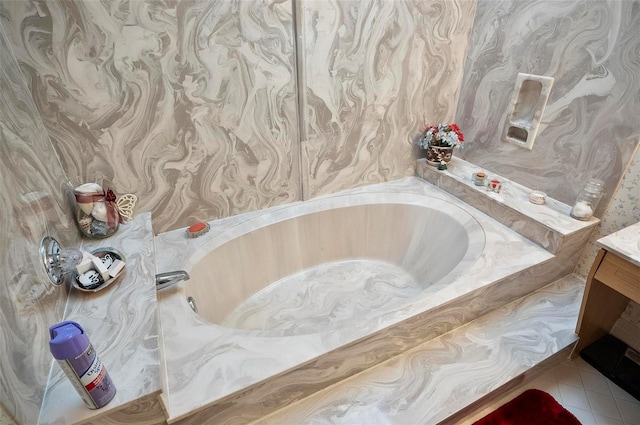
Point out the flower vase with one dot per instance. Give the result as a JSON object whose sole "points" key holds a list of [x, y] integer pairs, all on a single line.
{"points": [[435, 155]]}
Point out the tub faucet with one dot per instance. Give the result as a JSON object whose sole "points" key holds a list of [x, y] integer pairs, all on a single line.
{"points": [[168, 279]]}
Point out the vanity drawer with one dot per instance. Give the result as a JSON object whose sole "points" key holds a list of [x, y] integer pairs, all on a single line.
{"points": [[620, 275]]}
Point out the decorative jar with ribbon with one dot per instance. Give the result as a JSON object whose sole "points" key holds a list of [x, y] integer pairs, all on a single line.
{"points": [[97, 213]]}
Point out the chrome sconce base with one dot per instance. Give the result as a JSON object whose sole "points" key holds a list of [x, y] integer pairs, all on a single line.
{"points": [[57, 261]]}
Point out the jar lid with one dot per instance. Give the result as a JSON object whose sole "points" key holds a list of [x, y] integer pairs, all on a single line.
{"points": [[88, 189], [594, 185]]}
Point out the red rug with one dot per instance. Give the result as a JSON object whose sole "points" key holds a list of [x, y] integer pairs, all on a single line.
{"points": [[532, 407]]}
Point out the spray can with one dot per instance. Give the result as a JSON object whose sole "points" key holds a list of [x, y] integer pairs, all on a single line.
{"points": [[70, 346]]}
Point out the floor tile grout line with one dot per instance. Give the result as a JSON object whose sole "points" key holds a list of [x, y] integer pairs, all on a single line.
{"points": [[551, 380]]}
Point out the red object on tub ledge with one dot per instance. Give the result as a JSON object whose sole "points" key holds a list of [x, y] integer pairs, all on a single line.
{"points": [[532, 407]]}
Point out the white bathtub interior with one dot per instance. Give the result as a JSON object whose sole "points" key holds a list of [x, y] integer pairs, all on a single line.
{"points": [[329, 268]]}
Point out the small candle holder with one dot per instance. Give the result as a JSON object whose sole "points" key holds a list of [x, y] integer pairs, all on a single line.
{"points": [[537, 197], [479, 178], [494, 185]]}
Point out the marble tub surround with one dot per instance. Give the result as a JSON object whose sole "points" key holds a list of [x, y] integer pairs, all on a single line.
{"points": [[624, 242], [33, 206], [121, 322], [251, 373], [436, 382], [549, 225]]}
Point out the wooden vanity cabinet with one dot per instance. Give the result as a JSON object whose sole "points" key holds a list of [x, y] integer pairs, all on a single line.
{"points": [[611, 283]]}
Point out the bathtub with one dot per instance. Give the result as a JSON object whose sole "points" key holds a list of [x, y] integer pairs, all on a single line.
{"points": [[293, 298], [331, 263]]}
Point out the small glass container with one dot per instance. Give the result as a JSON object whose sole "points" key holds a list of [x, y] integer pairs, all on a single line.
{"points": [[97, 213], [494, 185], [479, 178], [587, 200]]}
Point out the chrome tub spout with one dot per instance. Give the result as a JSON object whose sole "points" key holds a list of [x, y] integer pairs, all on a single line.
{"points": [[168, 279]]}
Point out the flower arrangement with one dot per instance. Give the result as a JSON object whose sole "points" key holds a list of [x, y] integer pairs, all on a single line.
{"points": [[443, 135]]}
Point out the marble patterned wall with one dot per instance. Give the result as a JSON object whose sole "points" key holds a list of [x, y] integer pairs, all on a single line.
{"points": [[590, 126], [373, 74], [191, 105], [32, 185]]}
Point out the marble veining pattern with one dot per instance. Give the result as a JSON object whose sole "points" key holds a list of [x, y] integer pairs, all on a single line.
{"points": [[589, 127], [228, 361], [173, 116], [625, 243], [549, 225], [429, 383], [373, 74], [32, 193], [121, 322], [200, 112], [316, 298], [190, 105]]}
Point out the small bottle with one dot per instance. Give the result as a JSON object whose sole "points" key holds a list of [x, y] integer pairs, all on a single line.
{"points": [[587, 200], [71, 347]]}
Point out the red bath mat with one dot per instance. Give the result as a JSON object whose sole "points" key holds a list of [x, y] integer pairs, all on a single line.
{"points": [[532, 407]]}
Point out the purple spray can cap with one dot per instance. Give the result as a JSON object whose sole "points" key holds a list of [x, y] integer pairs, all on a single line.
{"points": [[67, 340]]}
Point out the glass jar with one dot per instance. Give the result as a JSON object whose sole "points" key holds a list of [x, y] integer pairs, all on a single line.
{"points": [[479, 178], [587, 200], [96, 212]]}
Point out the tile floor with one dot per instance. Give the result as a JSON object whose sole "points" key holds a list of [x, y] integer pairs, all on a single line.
{"points": [[591, 397], [586, 393]]}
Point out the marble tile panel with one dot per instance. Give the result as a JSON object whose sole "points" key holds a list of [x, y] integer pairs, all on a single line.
{"points": [[549, 225], [533, 378], [231, 367], [624, 242], [435, 380], [121, 322], [32, 193], [589, 127], [190, 105], [146, 411], [373, 75]]}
